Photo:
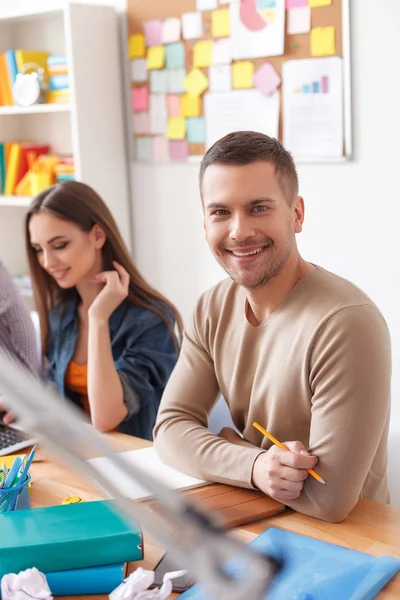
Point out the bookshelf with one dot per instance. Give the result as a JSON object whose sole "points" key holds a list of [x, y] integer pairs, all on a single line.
{"points": [[92, 127]]}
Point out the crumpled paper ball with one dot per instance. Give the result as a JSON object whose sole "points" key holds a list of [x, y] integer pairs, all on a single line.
{"points": [[26, 585], [136, 586]]}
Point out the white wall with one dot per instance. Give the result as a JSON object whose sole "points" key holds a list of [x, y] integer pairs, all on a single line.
{"points": [[352, 209]]}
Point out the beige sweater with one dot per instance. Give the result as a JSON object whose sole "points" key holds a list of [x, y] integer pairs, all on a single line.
{"points": [[318, 370]]}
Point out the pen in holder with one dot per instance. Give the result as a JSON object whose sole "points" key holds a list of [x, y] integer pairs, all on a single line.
{"points": [[15, 498]]}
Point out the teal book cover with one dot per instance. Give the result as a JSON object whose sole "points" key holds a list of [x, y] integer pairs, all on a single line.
{"points": [[72, 536], [82, 582]]}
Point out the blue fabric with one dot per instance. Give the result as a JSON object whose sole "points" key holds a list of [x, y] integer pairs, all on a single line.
{"points": [[143, 350]]}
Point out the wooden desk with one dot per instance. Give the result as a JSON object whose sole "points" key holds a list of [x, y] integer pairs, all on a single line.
{"points": [[371, 527]]}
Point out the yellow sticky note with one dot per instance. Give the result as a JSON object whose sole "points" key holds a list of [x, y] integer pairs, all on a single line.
{"points": [[190, 105], [221, 24], [242, 74], [195, 83], [202, 54], [176, 128], [137, 46], [322, 41], [316, 3], [155, 57]]}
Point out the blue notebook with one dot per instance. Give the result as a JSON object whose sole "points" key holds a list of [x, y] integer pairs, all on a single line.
{"points": [[315, 570], [82, 582]]}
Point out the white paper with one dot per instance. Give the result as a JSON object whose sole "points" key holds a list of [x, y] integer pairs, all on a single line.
{"points": [[148, 460], [158, 113], [299, 20], [30, 584], [138, 70], [269, 41], [220, 78], [135, 587], [171, 31], [176, 81], [143, 149], [313, 120], [159, 81], [240, 110], [206, 4], [228, 1], [221, 52], [192, 26]]}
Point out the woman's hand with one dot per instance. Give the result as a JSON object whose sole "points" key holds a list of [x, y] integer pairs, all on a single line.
{"points": [[6, 417], [113, 293]]}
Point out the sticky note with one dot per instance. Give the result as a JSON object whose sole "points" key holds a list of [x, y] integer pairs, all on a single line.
{"points": [[175, 55], [171, 31], [192, 26], [295, 4], [141, 123], [174, 105], [160, 148], [206, 4], [317, 3], [153, 31], [159, 81], [322, 41], [140, 98], [178, 149], [221, 52], [158, 114], [196, 130], [242, 74], [190, 106], [266, 79], [299, 20], [202, 54], [176, 81], [220, 78], [176, 128], [155, 57], [138, 70], [196, 82], [143, 148], [220, 22], [137, 46]]}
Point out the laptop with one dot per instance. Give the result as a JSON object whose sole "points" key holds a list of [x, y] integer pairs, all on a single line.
{"points": [[13, 438]]}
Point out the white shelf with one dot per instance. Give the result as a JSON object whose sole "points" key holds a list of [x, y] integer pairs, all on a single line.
{"points": [[23, 201], [34, 109]]}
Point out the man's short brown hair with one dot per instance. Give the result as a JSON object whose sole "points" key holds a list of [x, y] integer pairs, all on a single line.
{"points": [[246, 147]]}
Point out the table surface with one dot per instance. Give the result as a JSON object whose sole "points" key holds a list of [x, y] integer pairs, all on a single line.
{"points": [[371, 527]]}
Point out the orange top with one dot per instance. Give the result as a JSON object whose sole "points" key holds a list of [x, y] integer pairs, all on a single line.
{"points": [[76, 381]]}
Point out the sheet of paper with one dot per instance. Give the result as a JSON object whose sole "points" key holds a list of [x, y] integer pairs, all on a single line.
{"points": [[299, 20], [176, 128], [266, 79], [240, 110], [155, 57], [192, 26], [158, 114], [176, 81], [220, 78], [206, 4], [190, 106], [159, 81], [202, 54], [267, 40], [160, 148], [174, 105], [140, 98], [196, 82], [317, 3], [221, 52], [313, 107], [141, 123], [196, 130], [153, 32], [171, 31], [137, 46], [143, 153], [138, 70], [179, 150], [242, 74], [220, 23], [227, 1], [323, 41], [146, 458], [295, 4], [175, 55]]}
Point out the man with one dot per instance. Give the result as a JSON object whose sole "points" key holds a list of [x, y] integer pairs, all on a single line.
{"points": [[301, 351]]}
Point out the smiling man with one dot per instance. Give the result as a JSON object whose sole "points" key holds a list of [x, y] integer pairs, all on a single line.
{"points": [[290, 345]]}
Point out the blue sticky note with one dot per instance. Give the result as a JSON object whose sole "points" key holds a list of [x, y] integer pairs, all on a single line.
{"points": [[195, 130], [175, 55]]}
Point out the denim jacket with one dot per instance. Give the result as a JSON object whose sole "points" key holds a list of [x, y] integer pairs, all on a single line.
{"points": [[144, 356]]}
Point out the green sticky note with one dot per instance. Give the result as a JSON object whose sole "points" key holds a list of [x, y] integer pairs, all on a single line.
{"points": [[175, 55], [195, 130]]}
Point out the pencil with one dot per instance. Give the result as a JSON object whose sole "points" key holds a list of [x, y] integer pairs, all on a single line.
{"points": [[280, 445]]}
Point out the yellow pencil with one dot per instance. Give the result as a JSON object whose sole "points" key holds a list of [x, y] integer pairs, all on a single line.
{"points": [[280, 445]]}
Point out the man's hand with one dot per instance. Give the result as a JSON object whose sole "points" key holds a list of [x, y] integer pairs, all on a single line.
{"points": [[5, 416], [281, 474]]}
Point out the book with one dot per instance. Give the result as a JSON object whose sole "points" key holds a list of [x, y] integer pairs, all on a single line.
{"points": [[81, 582], [12, 169], [72, 536], [57, 59], [316, 570], [5, 83], [58, 82], [34, 57], [12, 70]]}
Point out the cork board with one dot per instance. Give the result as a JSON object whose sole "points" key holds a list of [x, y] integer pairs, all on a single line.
{"points": [[296, 46]]}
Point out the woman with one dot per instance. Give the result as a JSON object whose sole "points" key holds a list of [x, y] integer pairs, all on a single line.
{"points": [[107, 335]]}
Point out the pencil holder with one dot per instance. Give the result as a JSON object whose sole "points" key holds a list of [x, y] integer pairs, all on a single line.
{"points": [[16, 498]]}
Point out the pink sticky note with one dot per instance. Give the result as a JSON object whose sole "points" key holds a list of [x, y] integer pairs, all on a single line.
{"points": [[160, 148], [266, 79], [178, 149], [295, 3], [153, 32], [174, 106], [141, 123], [140, 98]]}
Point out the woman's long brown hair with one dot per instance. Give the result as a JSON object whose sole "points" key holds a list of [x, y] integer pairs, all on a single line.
{"points": [[78, 203]]}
